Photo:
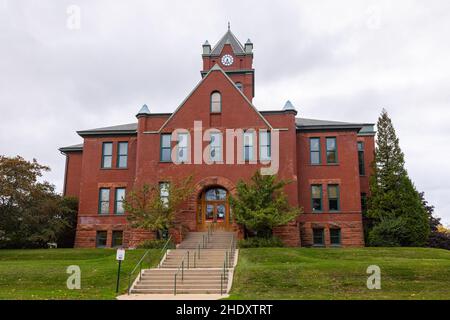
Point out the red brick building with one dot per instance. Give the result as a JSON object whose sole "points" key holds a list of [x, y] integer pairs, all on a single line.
{"points": [[328, 161]]}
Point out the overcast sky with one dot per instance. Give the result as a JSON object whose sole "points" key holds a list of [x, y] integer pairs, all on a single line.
{"points": [[335, 60]]}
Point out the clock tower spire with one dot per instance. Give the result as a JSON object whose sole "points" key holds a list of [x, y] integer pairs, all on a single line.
{"points": [[234, 58]]}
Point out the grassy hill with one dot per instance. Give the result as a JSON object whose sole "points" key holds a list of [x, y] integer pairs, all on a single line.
{"points": [[266, 273], [41, 274], [406, 273]]}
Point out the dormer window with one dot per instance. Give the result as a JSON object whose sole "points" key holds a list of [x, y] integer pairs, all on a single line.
{"points": [[216, 102], [240, 86]]}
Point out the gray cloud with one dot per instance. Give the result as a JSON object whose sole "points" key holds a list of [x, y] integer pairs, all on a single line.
{"points": [[335, 60]]}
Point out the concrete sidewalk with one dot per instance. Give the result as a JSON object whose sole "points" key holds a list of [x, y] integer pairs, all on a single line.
{"points": [[172, 297]]}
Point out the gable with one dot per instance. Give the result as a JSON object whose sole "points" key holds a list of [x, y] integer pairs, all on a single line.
{"points": [[237, 110]]}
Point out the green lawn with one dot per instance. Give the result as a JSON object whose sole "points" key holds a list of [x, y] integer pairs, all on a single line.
{"points": [[41, 274], [406, 273]]}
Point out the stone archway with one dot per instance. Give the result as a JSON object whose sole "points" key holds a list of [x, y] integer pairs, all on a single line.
{"points": [[211, 211], [214, 181]]}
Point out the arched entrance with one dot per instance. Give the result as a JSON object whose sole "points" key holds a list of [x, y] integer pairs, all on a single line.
{"points": [[213, 208]]}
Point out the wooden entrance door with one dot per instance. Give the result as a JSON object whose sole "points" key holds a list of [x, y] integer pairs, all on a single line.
{"points": [[214, 209]]}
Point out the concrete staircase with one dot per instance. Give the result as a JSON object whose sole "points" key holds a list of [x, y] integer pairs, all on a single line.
{"points": [[218, 240], [197, 264]]}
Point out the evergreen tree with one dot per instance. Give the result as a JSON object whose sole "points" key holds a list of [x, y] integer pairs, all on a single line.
{"points": [[435, 222], [395, 207]]}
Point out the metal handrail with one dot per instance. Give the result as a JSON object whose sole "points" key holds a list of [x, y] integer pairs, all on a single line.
{"points": [[139, 264], [163, 251], [206, 239], [228, 263], [232, 249], [197, 253], [180, 268], [223, 275]]}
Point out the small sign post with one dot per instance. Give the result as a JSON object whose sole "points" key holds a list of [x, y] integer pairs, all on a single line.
{"points": [[120, 256]]}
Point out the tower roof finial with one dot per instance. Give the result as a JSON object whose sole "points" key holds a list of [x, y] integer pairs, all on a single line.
{"points": [[228, 25]]}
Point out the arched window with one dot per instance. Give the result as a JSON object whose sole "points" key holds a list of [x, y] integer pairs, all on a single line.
{"points": [[240, 86], [216, 194], [216, 102]]}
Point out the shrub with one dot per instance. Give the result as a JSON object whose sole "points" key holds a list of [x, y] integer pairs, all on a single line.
{"points": [[388, 233], [147, 210], [155, 244], [256, 242], [261, 204], [439, 240]]}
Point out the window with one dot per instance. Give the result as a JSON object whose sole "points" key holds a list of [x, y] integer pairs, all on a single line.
{"points": [[316, 198], [164, 192], [103, 201], [122, 155], [182, 147], [117, 239], [165, 153], [215, 147], [314, 146], [335, 237], [118, 205], [333, 197], [264, 145], [318, 238], [363, 202], [216, 194], [100, 240], [107, 154], [240, 86], [214, 201], [331, 150], [216, 102], [248, 146], [362, 169]]}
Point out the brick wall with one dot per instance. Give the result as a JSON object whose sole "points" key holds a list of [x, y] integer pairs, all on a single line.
{"points": [[85, 177]]}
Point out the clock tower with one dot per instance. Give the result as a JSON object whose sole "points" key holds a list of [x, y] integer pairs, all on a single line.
{"points": [[234, 58]]}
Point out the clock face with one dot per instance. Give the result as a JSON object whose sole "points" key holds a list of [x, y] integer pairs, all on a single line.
{"points": [[227, 60]]}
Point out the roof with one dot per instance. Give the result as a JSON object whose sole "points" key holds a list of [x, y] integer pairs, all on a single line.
{"points": [[144, 111], [228, 38], [289, 106], [302, 124], [367, 130], [129, 128], [75, 147], [364, 129], [314, 124]]}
